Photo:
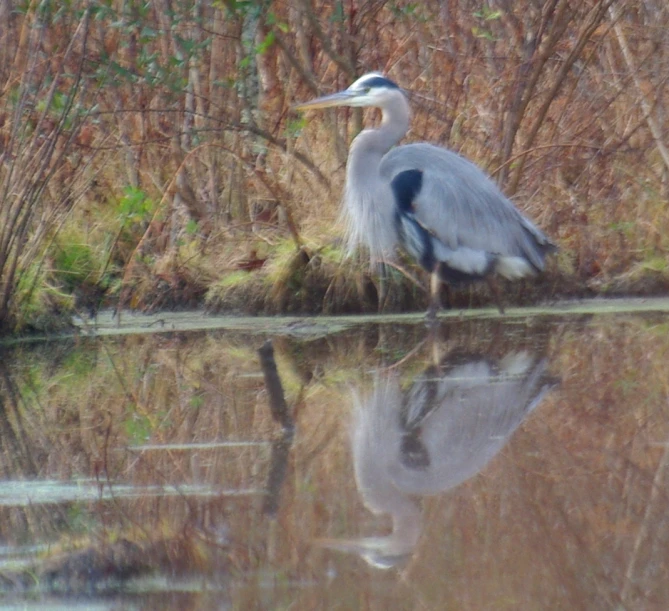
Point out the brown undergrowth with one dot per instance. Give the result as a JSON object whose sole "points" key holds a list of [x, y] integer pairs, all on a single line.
{"points": [[106, 567], [314, 283], [143, 154]]}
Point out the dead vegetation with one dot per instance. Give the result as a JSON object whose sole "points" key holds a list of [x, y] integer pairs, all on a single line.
{"points": [[164, 140], [106, 567]]}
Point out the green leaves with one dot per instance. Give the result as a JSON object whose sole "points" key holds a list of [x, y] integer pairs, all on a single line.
{"points": [[266, 43], [485, 14], [294, 127], [137, 427], [135, 206]]}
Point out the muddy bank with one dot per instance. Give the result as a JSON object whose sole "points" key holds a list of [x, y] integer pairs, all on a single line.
{"points": [[316, 283], [317, 287]]}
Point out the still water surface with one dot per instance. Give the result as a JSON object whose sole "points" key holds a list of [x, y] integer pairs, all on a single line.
{"points": [[504, 463]]}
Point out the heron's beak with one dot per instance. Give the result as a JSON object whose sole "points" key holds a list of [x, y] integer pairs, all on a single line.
{"points": [[371, 549], [341, 98]]}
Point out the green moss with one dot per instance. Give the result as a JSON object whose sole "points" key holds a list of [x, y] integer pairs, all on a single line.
{"points": [[39, 304], [234, 279], [74, 264], [655, 264]]}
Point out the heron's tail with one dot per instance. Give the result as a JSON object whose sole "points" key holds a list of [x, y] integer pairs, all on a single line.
{"points": [[531, 250], [538, 243]]}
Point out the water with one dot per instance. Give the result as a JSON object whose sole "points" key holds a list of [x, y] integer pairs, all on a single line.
{"points": [[497, 463]]}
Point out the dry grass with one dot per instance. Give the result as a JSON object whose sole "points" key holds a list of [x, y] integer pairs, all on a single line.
{"points": [[172, 148]]}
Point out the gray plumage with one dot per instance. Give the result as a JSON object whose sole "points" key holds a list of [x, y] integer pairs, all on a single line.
{"points": [[463, 208], [463, 412], [455, 222], [452, 421]]}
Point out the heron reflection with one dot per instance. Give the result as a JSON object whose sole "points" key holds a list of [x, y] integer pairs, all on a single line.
{"points": [[443, 430]]}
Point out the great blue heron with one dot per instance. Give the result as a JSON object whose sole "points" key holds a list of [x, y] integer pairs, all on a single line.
{"points": [[440, 207], [452, 421]]}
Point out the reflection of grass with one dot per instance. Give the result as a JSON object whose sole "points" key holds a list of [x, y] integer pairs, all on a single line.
{"points": [[196, 401], [80, 363], [111, 563], [659, 329], [137, 427], [79, 519]]}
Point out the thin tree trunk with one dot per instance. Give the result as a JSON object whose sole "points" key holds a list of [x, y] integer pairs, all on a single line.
{"points": [[647, 107]]}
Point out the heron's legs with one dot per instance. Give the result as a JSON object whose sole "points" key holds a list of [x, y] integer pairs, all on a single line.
{"points": [[435, 299], [383, 286], [496, 293]]}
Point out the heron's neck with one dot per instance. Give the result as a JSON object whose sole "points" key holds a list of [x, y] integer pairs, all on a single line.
{"points": [[369, 147], [369, 206]]}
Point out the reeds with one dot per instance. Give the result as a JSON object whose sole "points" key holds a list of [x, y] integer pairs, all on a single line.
{"points": [[43, 170], [562, 103]]}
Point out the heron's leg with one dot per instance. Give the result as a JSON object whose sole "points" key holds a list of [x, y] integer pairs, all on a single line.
{"points": [[383, 286], [435, 301], [496, 293], [449, 297]]}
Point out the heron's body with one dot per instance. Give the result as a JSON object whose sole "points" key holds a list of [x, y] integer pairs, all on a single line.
{"points": [[439, 206]]}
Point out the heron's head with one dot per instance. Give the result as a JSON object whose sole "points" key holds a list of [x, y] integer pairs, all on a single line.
{"points": [[372, 89]]}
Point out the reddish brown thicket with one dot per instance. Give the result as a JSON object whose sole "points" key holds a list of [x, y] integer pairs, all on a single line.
{"points": [[562, 102]]}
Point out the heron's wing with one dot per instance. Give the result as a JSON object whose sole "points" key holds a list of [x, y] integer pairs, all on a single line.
{"points": [[460, 205], [477, 407], [453, 265], [497, 395], [461, 264]]}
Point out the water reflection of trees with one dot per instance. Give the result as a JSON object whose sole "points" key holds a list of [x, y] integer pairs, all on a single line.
{"points": [[569, 514], [14, 445]]}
